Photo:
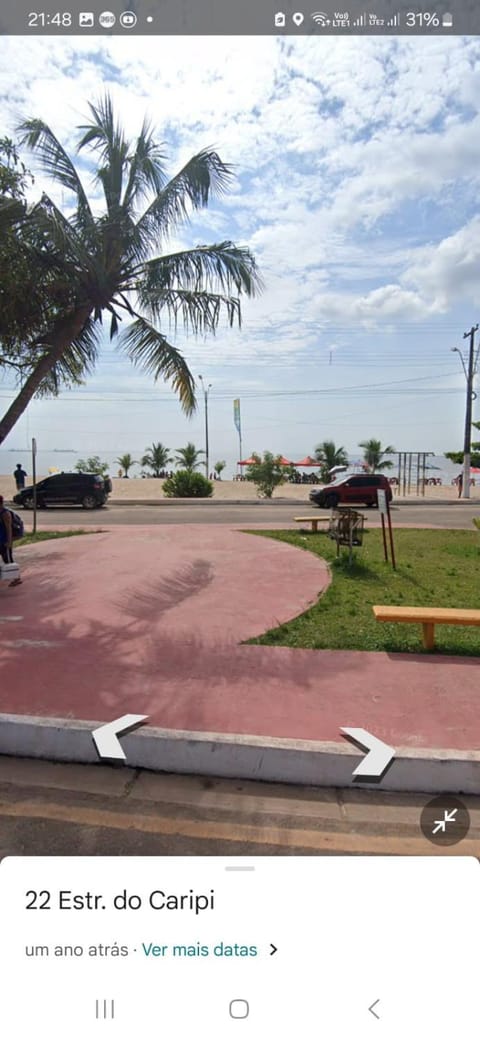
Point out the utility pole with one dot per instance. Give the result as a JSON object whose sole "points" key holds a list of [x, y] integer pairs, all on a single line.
{"points": [[467, 443], [205, 397]]}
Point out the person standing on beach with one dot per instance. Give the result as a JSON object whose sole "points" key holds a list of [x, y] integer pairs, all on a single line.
{"points": [[19, 475]]}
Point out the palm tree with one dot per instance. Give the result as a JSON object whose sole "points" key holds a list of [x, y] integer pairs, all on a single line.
{"points": [[126, 462], [33, 288], [108, 258], [219, 468], [373, 455], [329, 456], [188, 458], [156, 458]]}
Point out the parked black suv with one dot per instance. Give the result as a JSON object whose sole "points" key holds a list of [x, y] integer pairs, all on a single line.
{"points": [[358, 489], [67, 489]]}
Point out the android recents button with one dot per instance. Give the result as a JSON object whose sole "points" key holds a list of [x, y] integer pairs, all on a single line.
{"points": [[239, 1008]]}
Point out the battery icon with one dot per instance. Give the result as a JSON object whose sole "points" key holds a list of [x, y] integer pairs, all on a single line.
{"points": [[447, 21]]}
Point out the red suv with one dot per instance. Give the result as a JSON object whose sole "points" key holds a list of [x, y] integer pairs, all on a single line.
{"points": [[352, 490]]}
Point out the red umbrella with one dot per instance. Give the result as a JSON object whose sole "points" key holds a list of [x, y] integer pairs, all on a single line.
{"points": [[252, 462], [308, 461]]}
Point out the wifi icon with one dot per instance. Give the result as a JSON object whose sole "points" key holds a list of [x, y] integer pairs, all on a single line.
{"points": [[320, 18]]}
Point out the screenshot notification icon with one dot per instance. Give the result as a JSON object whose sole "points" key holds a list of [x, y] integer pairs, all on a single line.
{"points": [[128, 19]]}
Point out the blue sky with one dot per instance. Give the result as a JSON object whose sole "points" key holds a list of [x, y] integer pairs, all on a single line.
{"points": [[358, 167]]}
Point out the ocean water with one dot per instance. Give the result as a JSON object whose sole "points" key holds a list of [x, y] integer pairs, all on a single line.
{"points": [[62, 460]]}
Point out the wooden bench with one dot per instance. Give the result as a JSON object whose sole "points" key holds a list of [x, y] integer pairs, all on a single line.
{"points": [[428, 617], [313, 520]]}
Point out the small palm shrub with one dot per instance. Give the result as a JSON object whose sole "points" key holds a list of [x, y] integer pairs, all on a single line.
{"points": [[185, 484]]}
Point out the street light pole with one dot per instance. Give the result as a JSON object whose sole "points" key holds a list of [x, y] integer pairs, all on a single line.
{"points": [[469, 371], [205, 397]]}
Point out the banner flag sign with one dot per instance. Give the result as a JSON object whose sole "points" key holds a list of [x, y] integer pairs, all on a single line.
{"points": [[236, 413]]}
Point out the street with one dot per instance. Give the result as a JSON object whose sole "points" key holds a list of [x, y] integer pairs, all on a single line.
{"points": [[56, 809], [457, 515]]}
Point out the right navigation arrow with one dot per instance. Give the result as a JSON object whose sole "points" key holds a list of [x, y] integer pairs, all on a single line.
{"points": [[379, 755], [375, 1002]]}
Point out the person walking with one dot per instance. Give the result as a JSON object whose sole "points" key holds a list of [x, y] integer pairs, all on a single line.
{"points": [[6, 538], [460, 484], [19, 475]]}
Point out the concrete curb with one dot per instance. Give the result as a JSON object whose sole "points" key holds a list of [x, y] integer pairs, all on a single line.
{"points": [[205, 503], [209, 502], [239, 756]]}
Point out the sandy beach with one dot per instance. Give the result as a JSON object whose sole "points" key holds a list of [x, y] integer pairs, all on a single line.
{"points": [[150, 490]]}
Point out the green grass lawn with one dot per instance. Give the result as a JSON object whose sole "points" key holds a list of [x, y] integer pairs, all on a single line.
{"points": [[434, 568], [45, 536]]}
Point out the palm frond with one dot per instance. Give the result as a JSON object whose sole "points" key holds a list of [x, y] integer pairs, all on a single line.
{"points": [[146, 168], [199, 312], [113, 324], [103, 130], [38, 136], [105, 135], [218, 268], [77, 361], [65, 239], [150, 351], [84, 348], [205, 175]]}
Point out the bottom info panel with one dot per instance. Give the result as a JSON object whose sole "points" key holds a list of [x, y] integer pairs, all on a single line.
{"points": [[219, 948]]}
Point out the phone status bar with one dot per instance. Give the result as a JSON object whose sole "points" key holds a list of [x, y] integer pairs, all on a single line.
{"points": [[251, 17]]}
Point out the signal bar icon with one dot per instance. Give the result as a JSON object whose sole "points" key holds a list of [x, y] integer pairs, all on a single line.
{"points": [[394, 22], [360, 22]]}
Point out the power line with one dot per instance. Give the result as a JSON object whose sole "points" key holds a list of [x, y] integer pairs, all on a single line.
{"points": [[254, 394]]}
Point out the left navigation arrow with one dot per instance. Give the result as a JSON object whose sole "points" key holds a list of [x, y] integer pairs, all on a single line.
{"points": [[106, 737]]}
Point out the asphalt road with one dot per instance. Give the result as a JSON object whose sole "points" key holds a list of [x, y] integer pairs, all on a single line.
{"points": [[70, 810], [454, 514]]}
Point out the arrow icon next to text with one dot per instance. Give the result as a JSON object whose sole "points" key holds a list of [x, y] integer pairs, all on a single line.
{"points": [[106, 737], [379, 756], [372, 1006]]}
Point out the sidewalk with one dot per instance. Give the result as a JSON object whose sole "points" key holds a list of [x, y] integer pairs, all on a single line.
{"points": [[149, 620]]}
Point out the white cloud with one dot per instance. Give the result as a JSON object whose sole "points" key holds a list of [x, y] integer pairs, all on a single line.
{"points": [[450, 271]]}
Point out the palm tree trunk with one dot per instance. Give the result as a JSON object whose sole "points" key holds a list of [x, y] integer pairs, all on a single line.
{"points": [[65, 332]]}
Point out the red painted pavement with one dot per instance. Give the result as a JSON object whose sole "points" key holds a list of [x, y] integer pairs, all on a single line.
{"points": [[149, 620]]}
